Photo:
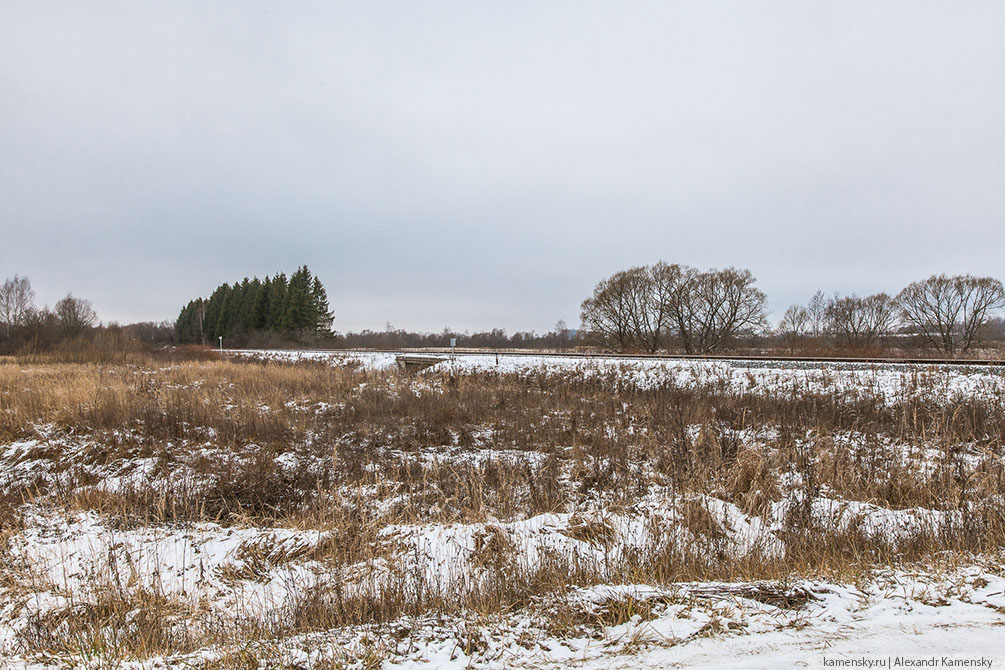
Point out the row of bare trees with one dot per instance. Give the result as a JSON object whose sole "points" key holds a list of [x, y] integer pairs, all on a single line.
{"points": [[23, 325], [850, 321], [947, 313], [664, 305]]}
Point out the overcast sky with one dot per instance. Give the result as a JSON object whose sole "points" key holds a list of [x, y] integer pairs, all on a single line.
{"points": [[478, 164]]}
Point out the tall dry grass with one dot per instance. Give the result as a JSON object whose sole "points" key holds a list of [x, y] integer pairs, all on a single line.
{"points": [[366, 427], [482, 447]]}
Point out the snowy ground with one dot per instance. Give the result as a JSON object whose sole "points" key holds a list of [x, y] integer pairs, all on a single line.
{"points": [[248, 572], [59, 563], [883, 380], [892, 615], [957, 613]]}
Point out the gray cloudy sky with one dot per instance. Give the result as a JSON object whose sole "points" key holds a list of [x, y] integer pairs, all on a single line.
{"points": [[478, 164]]}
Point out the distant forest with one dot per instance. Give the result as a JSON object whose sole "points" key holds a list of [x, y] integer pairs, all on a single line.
{"points": [[294, 309], [658, 308]]}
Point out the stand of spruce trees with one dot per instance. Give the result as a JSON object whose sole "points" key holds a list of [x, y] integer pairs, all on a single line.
{"points": [[295, 309]]}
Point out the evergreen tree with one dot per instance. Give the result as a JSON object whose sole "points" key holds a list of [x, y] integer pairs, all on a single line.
{"points": [[261, 314], [186, 327], [324, 317], [246, 305], [213, 309], [228, 312], [277, 303], [299, 310], [297, 307]]}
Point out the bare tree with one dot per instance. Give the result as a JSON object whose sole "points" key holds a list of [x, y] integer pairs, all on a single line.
{"points": [[608, 314], [861, 322], [794, 324], [638, 290], [562, 335], [652, 289], [709, 308], [17, 301], [677, 288], [817, 313], [645, 306], [950, 312], [74, 315]]}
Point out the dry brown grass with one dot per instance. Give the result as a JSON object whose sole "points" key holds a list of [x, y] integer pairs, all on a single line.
{"points": [[476, 448], [372, 426], [116, 626]]}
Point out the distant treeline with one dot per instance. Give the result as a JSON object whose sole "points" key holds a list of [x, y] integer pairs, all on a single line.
{"points": [[667, 307], [294, 309], [70, 329], [497, 338], [26, 327], [658, 308]]}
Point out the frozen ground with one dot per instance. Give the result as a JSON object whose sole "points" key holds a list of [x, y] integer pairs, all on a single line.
{"points": [[883, 380], [955, 613], [66, 560], [62, 562]]}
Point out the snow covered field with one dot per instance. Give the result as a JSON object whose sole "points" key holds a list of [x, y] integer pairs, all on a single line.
{"points": [[882, 380], [957, 612], [542, 513]]}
